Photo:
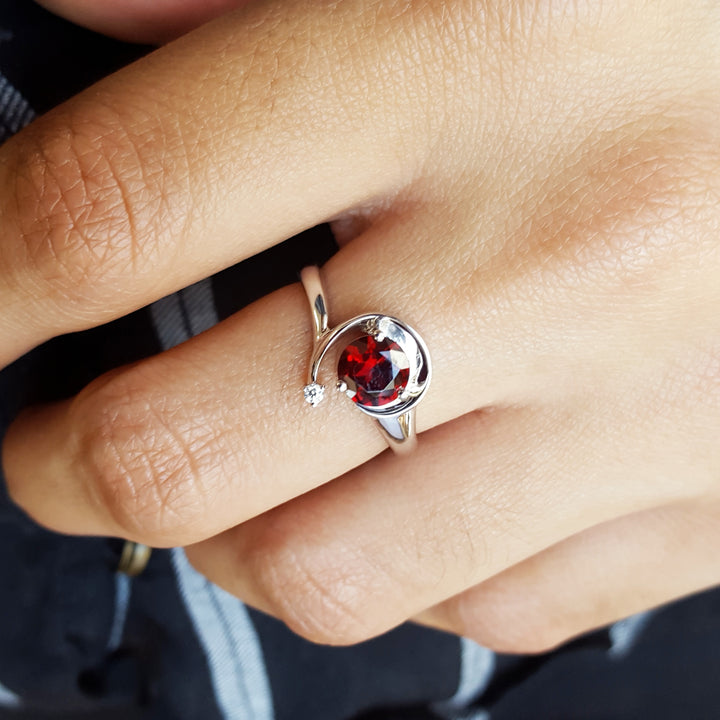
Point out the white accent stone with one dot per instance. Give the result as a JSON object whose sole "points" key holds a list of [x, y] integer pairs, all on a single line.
{"points": [[314, 393]]}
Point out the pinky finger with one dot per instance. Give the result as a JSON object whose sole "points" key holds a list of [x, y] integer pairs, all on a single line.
{"points": [[590, 580]]}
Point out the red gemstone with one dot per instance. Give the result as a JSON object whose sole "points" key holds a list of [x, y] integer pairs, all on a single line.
{"points": [[377, 371]]}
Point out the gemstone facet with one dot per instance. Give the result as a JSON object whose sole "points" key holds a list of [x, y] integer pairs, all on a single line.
{"points": [[375, 371]]}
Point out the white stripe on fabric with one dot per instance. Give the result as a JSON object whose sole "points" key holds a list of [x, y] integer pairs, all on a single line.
{"points": [[200, 305], [477, 664], [231, 645], [170, 325], [8, 698], [221, 621], [122, 600], [15, 113], [180, 316], [624, 633], [471, 714]]}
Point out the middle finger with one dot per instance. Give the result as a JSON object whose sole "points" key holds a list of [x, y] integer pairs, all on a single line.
{"points": [[179, 447]]}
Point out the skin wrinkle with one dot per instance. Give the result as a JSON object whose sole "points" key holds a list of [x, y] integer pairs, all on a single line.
{"points": [[68, 235], [136, 459], [138, 156], [122, 478], [129, 222], [323, 606], [141, 213], [35, 182], [171, 157], [185, 464]]}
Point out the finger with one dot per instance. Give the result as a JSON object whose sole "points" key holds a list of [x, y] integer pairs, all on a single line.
{"points": [[182, 446], [219, 422], [198, 156], [138, 20], [175, 168], [593, 579], [186, 444], [376, 547]]}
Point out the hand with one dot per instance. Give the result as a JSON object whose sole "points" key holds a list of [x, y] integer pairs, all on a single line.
{"points": [[535, 187]]}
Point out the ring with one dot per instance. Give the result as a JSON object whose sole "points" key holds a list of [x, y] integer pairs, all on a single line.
{"points": [[134, 558], [384, 367]]}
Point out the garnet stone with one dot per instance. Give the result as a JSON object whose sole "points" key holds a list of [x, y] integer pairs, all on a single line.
{"points": [[377, 371]]}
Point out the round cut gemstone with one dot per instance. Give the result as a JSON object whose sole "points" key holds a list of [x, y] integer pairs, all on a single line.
{"points": [[375, 371]]}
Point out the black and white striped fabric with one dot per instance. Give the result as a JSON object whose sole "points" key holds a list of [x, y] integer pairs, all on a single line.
{"points": [[79, 640], [15, 112]]}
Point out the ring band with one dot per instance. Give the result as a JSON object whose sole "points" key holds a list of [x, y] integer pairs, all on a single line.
{"points": [[385, 367], [134, 558]]}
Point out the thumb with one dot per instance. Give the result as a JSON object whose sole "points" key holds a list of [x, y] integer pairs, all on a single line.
{"points": [[140, 21]]}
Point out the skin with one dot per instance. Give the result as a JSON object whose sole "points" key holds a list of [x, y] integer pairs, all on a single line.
{"points": [[534, 186]]}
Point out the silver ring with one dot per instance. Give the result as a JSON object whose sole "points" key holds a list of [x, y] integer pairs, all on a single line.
{"points": [[384, 367]]}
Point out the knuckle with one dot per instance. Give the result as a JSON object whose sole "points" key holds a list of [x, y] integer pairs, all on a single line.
{"points": [[317, 596], [139, 466], [77, 183], [621, 215]]}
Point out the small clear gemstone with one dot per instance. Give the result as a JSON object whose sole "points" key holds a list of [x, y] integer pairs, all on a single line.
{"points": [[314, 393]]}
